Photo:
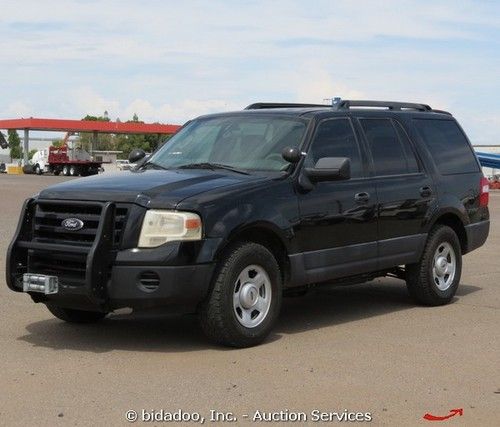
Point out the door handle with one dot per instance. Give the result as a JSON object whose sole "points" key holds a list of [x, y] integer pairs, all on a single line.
{"points": [[425, 191], [362, 197]]}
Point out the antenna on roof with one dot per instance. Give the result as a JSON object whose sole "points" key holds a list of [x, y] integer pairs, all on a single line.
{"points": [[335, 101]]}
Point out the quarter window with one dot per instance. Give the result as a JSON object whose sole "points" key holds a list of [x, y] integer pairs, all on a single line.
{"points": [[448, 146]]}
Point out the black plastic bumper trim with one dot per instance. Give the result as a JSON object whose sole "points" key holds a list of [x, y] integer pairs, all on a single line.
{"points": [[179, 285], [477, 234]]}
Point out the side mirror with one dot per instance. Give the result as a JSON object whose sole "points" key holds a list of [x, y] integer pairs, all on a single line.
{"points": [[330, 169], [291, 155], [136, 155]]}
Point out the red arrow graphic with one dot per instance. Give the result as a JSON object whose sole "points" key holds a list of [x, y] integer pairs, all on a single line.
{"points": [[453, 412]]}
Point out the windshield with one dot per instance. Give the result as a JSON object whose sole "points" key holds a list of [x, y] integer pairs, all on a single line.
{"points": [[240, 142]]}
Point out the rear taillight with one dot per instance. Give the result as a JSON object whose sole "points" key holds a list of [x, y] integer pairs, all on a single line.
{"points": [[484, 192]]}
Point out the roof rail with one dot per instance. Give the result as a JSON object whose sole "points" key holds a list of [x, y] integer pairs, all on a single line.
{"points": [[442, 112], [346, 104], [262, 105]]}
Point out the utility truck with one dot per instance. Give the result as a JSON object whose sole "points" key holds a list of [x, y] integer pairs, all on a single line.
{"points": [[65, 160]]}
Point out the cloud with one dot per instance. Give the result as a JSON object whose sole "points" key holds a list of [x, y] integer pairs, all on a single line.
{"points": [[170, 61], [18, 109], [88, 101]]}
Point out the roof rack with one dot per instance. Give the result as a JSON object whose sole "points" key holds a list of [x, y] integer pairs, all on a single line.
{"points": [[346, 104], [263, 105]]}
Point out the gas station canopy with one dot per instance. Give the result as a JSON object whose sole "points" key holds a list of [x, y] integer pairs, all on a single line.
{"points": [[61, 125], [72, 126]]}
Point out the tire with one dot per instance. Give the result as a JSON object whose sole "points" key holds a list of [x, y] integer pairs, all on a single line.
{"points": [[57, 172], [76, 316], [238, 312], [435, 278], [65, 170], [38, 169], [73, 171]]}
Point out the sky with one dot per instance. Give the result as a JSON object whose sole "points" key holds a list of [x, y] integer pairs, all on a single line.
{"points": [[169, 61]]}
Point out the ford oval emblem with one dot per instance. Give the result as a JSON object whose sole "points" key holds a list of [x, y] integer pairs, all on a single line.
{"points": [[72, 224]]}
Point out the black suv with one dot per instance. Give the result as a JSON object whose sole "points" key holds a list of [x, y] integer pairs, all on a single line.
{"points": [[241, 208]]}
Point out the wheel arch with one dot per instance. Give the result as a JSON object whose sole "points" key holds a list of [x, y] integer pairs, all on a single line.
{"points": [[455, 222], [264, 234]]}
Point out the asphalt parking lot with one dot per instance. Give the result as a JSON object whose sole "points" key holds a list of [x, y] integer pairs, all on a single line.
{"points": [[363, 348]]}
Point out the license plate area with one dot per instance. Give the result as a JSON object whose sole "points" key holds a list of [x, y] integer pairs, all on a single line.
{"points": [[40, 283]]}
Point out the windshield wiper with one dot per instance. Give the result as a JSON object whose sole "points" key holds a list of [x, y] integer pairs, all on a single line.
{"points": [[213, 166], [152, 165]]}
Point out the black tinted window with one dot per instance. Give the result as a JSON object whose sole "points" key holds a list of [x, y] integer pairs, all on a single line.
{"points": [[447, 145], [411, 159], [386, 148], [335, 138]]}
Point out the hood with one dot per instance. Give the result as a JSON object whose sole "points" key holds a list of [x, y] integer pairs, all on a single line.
{"points": [[158, 187]]}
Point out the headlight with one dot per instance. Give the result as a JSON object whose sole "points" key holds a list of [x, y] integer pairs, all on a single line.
{"points": [[161, 226]]}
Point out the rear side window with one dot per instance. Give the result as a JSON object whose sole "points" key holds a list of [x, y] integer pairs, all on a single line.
{"points": [[411, 159], [448, 146], [391, 155], [335, 138]]}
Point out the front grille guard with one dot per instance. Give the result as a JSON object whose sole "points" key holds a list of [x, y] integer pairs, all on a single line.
{"points": [[99, 256]]}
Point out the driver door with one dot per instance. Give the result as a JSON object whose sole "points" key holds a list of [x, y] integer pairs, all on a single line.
{"points": [[337, 234]]}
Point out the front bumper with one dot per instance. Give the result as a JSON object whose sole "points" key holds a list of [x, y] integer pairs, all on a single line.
{"points": [[175, 274], [159, 286]]}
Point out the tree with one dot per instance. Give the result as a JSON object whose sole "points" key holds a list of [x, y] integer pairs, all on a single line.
{"points": [[31, 153], [146, 142], [57, 143], [104, 142], [16, 151]]}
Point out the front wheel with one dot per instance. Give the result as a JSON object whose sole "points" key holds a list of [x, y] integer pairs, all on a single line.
{"points": [[434, 280], [76, 316], [245, 300], [38, 169]]}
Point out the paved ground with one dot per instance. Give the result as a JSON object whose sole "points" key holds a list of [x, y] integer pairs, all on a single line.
{"points": [[364, 348]]}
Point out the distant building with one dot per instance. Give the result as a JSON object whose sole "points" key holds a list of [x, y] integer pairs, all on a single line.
{"points": [[105, 156]]}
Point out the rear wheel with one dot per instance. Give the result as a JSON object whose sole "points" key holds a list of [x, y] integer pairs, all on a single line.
{"points": [[65, 170], [245, 299], [73, 171], [57, 172], [76, 316], [435, 279]]}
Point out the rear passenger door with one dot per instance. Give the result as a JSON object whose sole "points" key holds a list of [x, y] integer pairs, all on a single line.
{"points": [[404, 190]]}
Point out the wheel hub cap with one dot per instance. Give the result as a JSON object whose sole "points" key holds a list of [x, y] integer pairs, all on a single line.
{"points": [[444, 266], [249, 295], [441, 265], [252, 296]]}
